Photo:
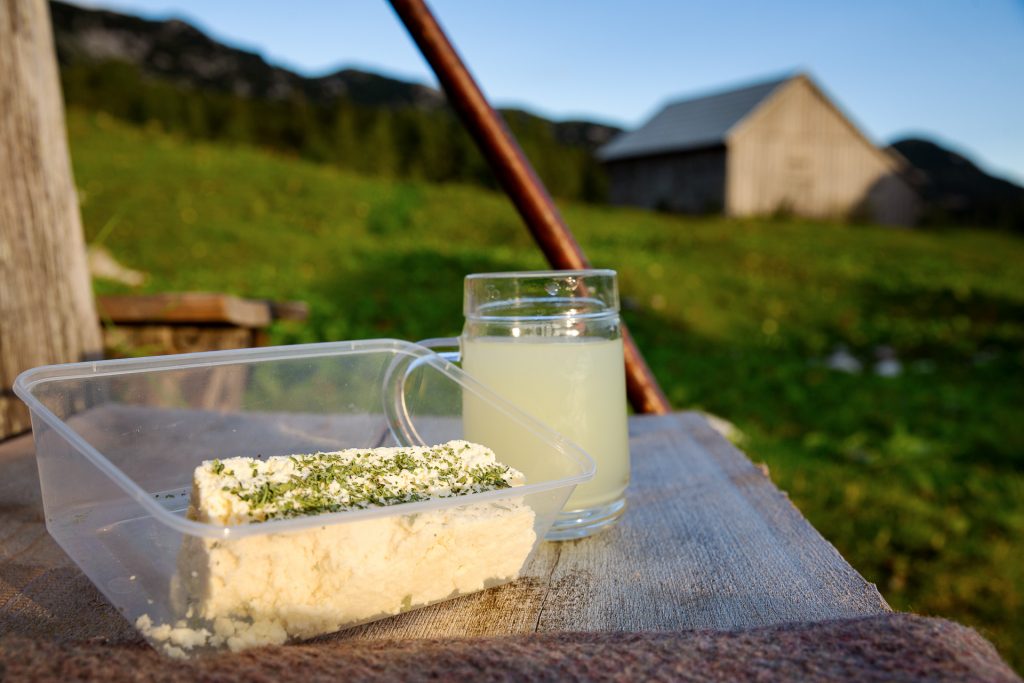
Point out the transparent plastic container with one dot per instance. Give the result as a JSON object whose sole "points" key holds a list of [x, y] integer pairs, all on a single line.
{"points": [[117, 442]]}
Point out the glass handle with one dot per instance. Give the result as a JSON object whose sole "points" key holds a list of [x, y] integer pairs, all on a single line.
{"points": [[396, 412], [437, 343]]}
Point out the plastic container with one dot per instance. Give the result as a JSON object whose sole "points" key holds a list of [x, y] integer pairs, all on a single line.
{"points": [[117, 442]]}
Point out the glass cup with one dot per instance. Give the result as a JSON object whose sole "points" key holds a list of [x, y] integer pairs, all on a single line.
{"points": [[551, 343]]}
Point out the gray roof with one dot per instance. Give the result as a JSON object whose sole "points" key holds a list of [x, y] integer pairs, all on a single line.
{"points": [[691, 123]]}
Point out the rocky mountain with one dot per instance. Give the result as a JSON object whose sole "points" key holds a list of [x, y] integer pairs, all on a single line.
{"points": [[955, 190], [177, 52]]}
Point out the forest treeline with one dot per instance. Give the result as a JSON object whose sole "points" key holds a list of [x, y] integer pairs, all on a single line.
{"points": [[402, 142]]}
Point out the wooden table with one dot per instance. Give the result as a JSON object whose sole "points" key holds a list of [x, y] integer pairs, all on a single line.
{"points": [[707, 542]]}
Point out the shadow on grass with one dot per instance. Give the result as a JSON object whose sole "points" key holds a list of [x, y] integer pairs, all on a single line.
{"points": [[934, 323]]}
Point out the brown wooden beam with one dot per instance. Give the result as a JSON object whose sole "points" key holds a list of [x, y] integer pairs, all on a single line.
{"points": [[517, 177], [186, 308]]}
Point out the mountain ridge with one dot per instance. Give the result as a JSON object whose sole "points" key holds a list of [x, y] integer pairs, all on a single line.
{"points": [[174, 50], [955, 189]]}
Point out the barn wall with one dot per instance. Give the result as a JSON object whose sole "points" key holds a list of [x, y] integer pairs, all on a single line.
{"points": [[693, 182], [797, 153]]}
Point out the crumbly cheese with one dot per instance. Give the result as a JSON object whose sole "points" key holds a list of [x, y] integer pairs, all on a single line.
{"points": [[268, 588]]}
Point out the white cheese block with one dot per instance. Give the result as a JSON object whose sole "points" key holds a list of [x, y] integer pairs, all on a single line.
{"points": [[268, 588]]}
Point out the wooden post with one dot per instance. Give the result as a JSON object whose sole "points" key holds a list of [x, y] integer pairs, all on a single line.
{"points": [[47, 313], [518, 178]]}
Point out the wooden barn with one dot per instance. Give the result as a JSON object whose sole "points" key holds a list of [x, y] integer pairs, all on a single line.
{"points": [[775, 146]]}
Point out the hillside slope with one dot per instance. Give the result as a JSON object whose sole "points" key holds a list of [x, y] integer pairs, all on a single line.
{"points": [[917, 478], [955, 190]]}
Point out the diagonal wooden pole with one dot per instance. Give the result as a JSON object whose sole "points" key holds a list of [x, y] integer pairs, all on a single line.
{"points": [[518, 178]]}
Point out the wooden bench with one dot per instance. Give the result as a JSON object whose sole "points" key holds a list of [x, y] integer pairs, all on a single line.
{"points": [[190, 321], [186, 322]]}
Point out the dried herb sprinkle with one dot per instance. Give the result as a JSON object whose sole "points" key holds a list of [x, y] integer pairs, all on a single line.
{"points": [[297, 485]]}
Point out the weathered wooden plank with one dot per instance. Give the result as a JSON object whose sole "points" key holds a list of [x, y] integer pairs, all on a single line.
{"points": [[798, 152], [288, 310], [154, 340], [190, 308], [708, 542], [46, 308]]}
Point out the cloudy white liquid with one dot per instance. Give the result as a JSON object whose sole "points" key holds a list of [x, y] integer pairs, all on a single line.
{"points": [[577, 386]]}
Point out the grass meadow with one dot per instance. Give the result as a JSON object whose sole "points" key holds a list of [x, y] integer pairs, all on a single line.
{"points": [[918, 479]]}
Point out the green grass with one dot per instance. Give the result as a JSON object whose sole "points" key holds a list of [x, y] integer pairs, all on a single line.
{"points": [[918, 479]]}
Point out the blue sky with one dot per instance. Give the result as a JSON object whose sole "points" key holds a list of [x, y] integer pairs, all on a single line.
{"points": [[949, 69]]}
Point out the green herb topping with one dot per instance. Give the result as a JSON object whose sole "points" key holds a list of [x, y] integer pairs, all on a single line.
{"points": [[296, 485]]}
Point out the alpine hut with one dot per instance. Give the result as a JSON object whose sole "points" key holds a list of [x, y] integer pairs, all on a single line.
{"points": [[775, 146]]}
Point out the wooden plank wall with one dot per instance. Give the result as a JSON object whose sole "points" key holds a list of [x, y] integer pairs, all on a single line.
{"points": [[798, 153], [693, 182]]}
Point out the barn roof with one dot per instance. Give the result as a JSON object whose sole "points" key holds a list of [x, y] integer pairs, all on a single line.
{"points": [[691, 123]]}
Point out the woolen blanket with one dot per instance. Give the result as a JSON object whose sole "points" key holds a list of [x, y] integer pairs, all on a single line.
{"points": [[893, 647]]}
